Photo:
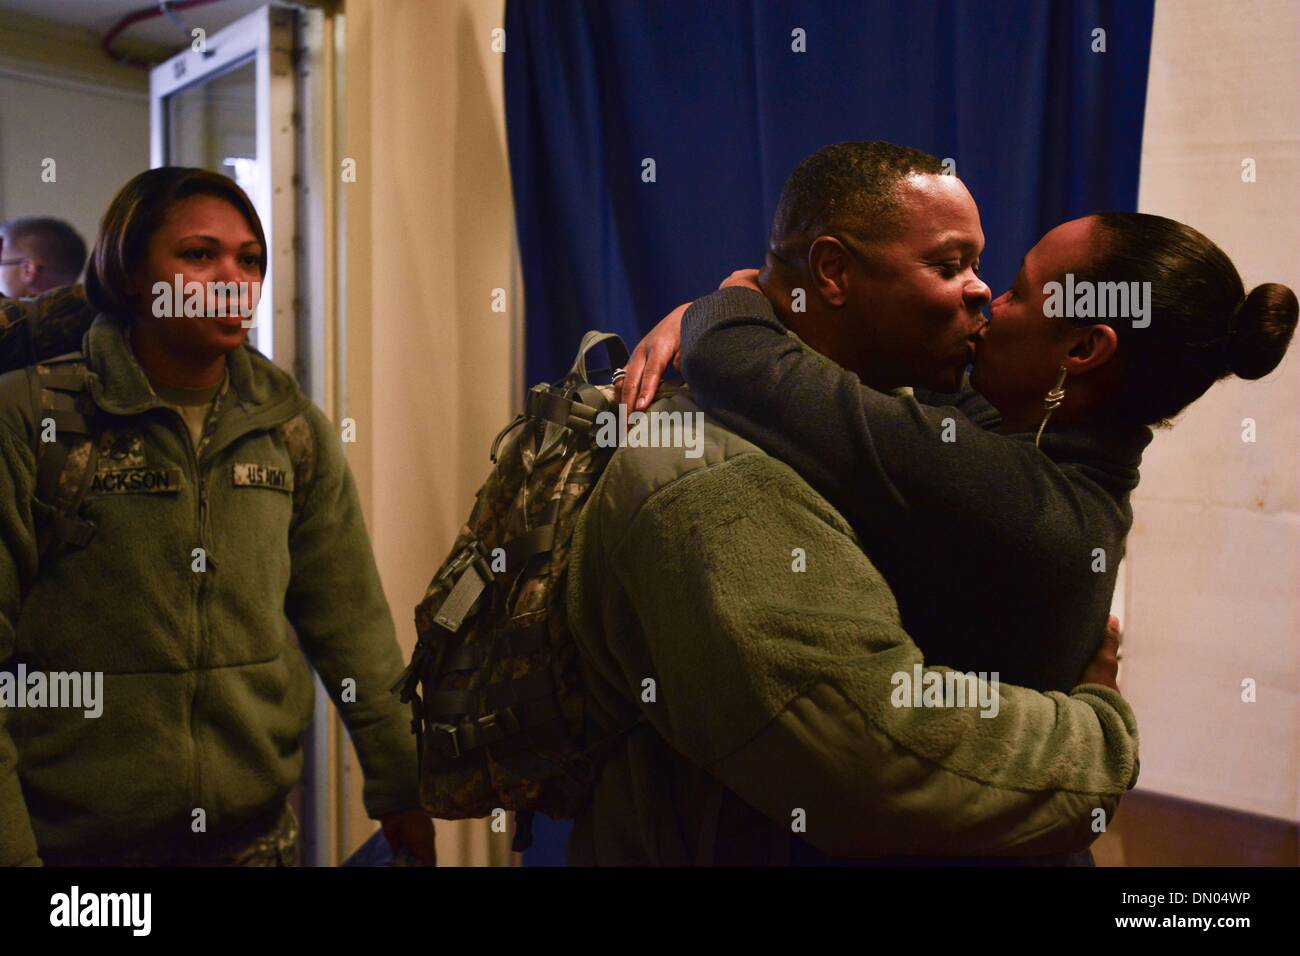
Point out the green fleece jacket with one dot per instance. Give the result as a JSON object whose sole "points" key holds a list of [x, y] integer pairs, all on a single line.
{"points": [[728, 603], [205, 692]]}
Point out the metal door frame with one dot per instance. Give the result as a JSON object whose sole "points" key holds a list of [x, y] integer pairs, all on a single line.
{"points": [[267, 38]]}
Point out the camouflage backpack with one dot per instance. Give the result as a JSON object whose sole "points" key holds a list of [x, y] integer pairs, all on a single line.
{"points": [[66, 466], [39, 335], [499, 714]]}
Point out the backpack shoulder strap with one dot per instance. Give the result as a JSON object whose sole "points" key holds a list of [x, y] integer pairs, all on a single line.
{"points": [[65, 466], [17, 347], [300, 442]]}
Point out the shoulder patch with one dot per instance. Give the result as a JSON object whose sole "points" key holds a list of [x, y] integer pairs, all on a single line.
{"points": [[300, 442]]}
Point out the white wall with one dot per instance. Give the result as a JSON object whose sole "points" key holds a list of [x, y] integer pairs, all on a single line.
{"points": [[98, 141], [1213, 588], [61, 99]]}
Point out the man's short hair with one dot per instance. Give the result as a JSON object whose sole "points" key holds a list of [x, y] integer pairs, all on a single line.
{"points": [[52, 242], [846, 188]]}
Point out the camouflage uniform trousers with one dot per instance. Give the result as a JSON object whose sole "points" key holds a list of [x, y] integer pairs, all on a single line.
{"points": [[278, 847]]}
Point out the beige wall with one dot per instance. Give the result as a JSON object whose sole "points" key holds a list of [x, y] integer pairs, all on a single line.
{"points": [[61, 99], [429, 368], [1213, 588]]}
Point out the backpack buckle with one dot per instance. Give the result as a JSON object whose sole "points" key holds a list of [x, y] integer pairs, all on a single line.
{"points": [[448, 732], [502, 722], [464, 595], [475, 553]]}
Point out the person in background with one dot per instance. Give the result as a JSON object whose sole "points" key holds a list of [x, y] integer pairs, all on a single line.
{"points": [[38, 253]]}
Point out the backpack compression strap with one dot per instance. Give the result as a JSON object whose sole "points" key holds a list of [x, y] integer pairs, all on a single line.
{"points": [[66, 466]]}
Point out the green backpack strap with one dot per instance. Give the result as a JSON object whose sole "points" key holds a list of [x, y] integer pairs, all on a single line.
{"points": [[300, 443], [65, 467], [572, 404], [618, 353]]}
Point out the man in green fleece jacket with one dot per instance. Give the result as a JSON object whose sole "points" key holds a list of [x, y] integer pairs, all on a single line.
{"points": [[724, 601], [183, 609]]}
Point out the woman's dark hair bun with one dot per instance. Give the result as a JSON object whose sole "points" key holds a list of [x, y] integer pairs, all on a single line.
{"points": [[1201, 325], [1261, 331]]}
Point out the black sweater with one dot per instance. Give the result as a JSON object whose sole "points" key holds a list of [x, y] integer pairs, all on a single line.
{"points": [[1002, 555]]}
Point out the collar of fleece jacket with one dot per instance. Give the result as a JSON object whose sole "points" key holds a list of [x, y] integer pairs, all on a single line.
{"points": [[119, 385]]}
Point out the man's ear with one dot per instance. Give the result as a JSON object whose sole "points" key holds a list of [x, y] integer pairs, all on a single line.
{"points": [[827, 262], [1093, 347]]}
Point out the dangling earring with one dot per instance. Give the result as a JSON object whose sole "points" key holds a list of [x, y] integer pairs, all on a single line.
{"points": [[1052, 402]]}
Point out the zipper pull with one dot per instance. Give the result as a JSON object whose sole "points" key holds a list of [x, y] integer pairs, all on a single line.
{"points": [[205, 537]]}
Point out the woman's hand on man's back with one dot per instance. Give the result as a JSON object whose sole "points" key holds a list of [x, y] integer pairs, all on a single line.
{"points": [[663, 344]]}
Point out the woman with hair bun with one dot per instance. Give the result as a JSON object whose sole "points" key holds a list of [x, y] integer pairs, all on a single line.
{"points": [[999, 520], [998, 514]]}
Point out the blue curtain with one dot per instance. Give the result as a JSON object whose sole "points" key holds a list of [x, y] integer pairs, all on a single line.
{"points": [[1041, 128]]}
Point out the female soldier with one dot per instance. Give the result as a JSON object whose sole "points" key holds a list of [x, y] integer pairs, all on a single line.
{"points": [[219, 504]]}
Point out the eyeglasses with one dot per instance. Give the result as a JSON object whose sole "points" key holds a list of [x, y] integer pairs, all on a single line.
{"points": [[13, 262]]}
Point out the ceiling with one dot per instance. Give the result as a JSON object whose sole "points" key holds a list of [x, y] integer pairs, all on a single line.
{"points": [[101, 15]]}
